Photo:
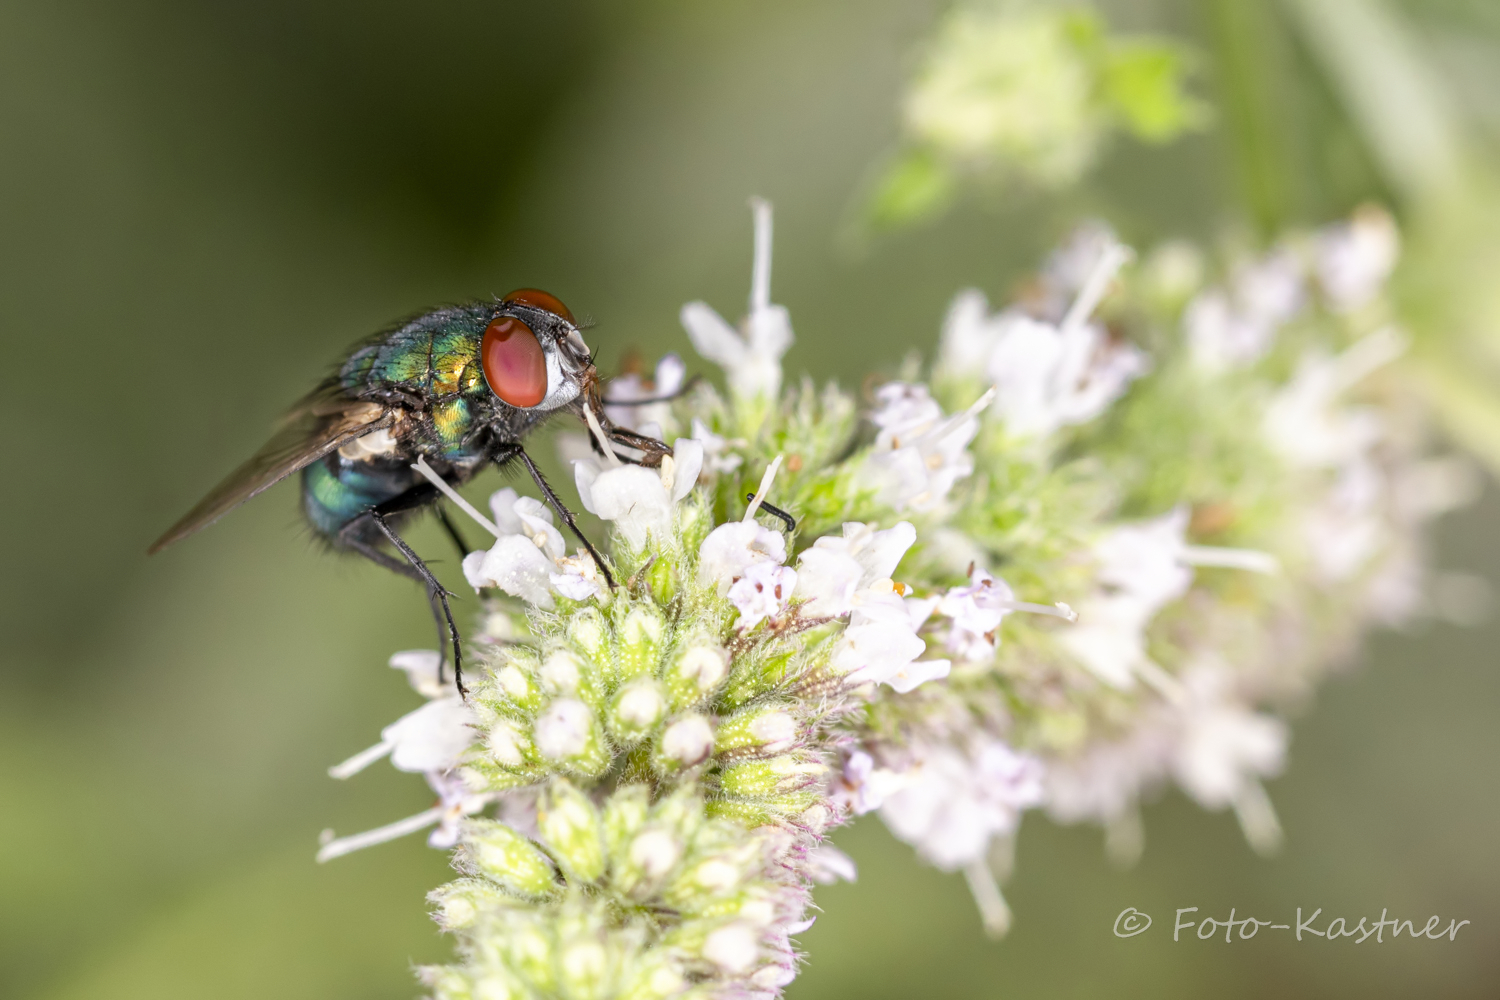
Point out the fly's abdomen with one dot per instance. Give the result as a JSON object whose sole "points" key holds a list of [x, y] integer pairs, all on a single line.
{"points": [[336, 490]]}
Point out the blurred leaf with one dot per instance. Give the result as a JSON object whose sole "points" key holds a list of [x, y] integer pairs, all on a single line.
{"points": [[916, 184], [1145, 82]]}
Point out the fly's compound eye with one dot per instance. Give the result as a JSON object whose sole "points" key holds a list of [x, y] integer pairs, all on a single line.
{"points": [[513, 362], [538, 299]]}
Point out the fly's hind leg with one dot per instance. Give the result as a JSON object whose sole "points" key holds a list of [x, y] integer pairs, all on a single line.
{"points": [[354, 536]]}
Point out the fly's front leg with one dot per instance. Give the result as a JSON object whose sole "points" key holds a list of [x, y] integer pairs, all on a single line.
{"points": [[504, 453]]}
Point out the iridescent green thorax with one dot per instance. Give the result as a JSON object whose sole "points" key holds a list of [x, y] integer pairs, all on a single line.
{"points": [[434, 358]]}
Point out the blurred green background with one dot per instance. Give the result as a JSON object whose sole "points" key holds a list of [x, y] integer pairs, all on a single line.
{"points": [[202, 203]]}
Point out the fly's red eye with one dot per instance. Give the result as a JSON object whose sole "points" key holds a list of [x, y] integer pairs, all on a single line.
{"points": [[541, 300], [513, 362]]}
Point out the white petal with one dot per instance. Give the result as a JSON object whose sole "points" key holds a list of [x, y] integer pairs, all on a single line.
{"points": [[687, 454], [433, 737], [712, 337]]}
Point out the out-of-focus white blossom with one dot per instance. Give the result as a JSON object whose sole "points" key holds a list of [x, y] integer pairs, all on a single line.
{"points": [[919, 453], [953, 803], [1234, 327], [1354, 258], [1223, 744], [1140, 568], [1046, 377], [1305, 422], [718, 452], [750, 356], [669, 378]]}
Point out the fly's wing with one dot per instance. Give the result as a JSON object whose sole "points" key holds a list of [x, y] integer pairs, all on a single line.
{"points": [[321, 422]]}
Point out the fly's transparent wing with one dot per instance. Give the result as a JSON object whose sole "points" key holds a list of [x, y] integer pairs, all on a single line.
{"points": [[322, 421]]}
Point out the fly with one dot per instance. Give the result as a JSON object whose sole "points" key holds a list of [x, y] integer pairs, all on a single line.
{"points": [[456, 389]]}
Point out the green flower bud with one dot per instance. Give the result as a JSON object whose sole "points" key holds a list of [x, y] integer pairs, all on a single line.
{"points": [[584, 969], [654, 976], [517, 682], [528, 949], [507, 857], [625, 813], [460, 903], [571, 828], [635, 711], [763, 729], [697, 669], [762, 778], [588, 631], [567, 733], [640, 644], [509, 744], [685, 743]]}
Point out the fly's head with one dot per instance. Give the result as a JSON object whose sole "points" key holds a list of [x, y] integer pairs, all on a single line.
{"points": [[532, 354]]}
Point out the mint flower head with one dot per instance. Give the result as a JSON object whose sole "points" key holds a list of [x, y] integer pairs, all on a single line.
{"points": [[1004, 588]]}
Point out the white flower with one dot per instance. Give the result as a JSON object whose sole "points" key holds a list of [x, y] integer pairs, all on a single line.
{"points": [[835, 567], [1354, 258], [733, 547], [671, 373], [762, 593], [1104, 781], [881, 642], [579, 579], [1140, 568], [640, 501], [977, 611], [718, 452], [1046, 377], [1236, 328], [954, 803], [431, 741], [1223, 745], [751, 357], [919, 453], [525, 552], [1303, 421]]}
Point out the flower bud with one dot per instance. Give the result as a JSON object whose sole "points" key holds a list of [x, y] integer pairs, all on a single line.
{"points": [[589, 632], [519, 686], [764, 729], [640, 645], [567, 732], [624, 814], [686, 742], [762, 778], [508, 743], [509, 858], [654, 976], [635, 711], [460, 903], [697, 669], [583, 967], [733, 948], [570, 826]]}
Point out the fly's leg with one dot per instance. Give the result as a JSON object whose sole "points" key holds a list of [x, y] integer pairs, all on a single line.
{"points": [[434, 590], [355, 536], [509, 450], [453, 533]]}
